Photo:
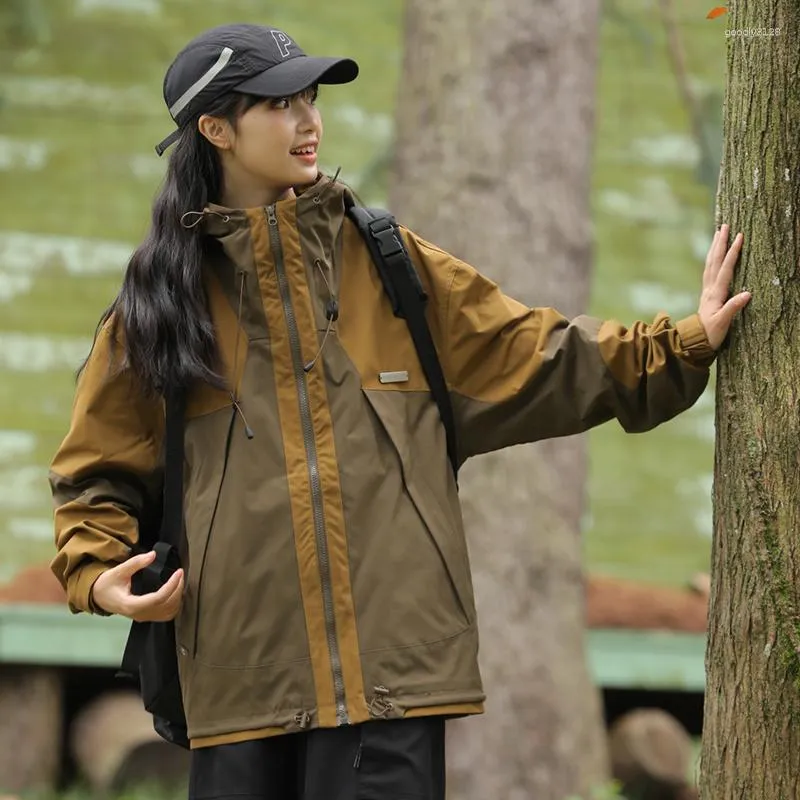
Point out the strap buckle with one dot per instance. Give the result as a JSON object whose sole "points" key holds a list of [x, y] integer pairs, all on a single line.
{"points": [[383, 232]]}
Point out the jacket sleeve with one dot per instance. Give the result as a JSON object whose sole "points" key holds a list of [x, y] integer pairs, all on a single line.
{"points": [[106, 474], [519, 374]]}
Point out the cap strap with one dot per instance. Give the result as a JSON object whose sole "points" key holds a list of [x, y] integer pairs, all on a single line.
{"points": [[201, 83], [171, 139]]}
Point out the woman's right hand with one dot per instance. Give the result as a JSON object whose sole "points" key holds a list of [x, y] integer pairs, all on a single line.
{"points": [[112, 592]]}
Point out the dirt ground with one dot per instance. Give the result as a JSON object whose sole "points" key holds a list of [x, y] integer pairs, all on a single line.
{"points": [[610, 602]]}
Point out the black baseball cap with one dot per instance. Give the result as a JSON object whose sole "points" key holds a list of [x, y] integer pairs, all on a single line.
{"points": [[252, 59]]}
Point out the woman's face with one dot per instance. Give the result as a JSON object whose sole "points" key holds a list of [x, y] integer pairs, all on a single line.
{"points": [[273, 145]]}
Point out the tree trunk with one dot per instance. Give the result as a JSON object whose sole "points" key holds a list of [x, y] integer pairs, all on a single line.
{"points": [[751, 737], [493, 155]]}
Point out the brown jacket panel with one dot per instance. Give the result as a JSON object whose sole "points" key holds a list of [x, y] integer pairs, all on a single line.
{"points": [[520, 374], [106, 474]]}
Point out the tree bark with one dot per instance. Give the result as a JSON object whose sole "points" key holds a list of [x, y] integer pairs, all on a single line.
{"points": [[751, 738], [493, 154]]}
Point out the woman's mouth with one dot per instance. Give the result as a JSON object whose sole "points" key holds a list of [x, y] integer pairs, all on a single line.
{"points": [[307, 154]]}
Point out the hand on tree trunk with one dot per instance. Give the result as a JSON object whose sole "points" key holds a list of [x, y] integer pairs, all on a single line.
{"points": [[716, 310]]}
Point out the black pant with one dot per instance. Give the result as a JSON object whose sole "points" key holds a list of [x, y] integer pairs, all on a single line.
{"points": [[380, 760]]}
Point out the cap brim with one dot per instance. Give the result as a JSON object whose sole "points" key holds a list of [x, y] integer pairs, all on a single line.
{"points": [[295, 74]]}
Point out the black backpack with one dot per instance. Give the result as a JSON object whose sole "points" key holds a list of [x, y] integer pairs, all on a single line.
{"points": [[150, 657]]}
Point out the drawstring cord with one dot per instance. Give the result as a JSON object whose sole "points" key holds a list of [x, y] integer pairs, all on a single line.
{"points": [[200, 215], [331, 314], [248, 431], [235, 391], [311, 364]]}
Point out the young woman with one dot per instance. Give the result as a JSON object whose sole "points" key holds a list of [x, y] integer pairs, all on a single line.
{"points": [[324, 617]]}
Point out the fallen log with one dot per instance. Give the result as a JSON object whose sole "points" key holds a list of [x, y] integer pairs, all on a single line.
{"points": [[651, 755], [31, 712], [115, 747]]}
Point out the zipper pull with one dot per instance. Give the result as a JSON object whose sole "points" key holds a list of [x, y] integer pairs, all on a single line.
{"points": [[357, 762]]}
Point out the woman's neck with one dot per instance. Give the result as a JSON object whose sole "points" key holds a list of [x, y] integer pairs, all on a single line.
{"points": [[252, 197], [240, 189]]}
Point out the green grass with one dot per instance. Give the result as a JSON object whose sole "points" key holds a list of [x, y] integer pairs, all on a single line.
{"points": [[649, 495]]}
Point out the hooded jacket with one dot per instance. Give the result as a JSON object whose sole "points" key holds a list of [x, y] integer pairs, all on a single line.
{"points": [[327, 577]]}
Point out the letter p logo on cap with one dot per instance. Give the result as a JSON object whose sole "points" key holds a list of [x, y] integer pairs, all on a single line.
{"points": [[283, 42]]}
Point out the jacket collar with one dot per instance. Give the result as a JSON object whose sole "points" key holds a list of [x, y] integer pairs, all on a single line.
{"points": [[325, 194]]}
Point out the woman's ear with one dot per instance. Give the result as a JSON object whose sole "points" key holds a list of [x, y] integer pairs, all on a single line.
{"points": [[216, 130]]}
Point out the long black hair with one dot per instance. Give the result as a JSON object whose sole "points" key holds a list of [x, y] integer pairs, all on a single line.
{"points": [[161, 310]]}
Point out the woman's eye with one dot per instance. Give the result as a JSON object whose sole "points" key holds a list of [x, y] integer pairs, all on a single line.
{"points": [[309, 96]]}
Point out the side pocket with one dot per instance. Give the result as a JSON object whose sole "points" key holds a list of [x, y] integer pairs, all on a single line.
{"points": [[208, 440], [412, 424], [198, 603]]}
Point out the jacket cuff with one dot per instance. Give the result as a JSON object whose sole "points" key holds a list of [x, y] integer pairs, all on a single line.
{"points": [[80, 585], [694, 342]]}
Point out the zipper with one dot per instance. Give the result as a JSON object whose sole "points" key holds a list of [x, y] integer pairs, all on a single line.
{"points": [[313, 467], [210, 531]]}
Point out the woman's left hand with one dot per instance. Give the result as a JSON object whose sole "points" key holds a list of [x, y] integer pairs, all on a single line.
{"points": [[716, 310]]}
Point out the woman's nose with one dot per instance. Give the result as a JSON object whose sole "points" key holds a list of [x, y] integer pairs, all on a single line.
{"points": [[309, 119]]}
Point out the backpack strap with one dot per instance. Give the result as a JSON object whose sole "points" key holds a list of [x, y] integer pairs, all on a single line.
{"points": [[384, 241]]}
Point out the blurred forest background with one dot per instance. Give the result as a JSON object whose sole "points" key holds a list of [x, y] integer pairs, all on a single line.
{"points": [[80, 112]]}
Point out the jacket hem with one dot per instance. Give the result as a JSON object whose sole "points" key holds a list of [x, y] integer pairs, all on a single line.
{"points": [[450, 711], [454, 703], [234, 738]]}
